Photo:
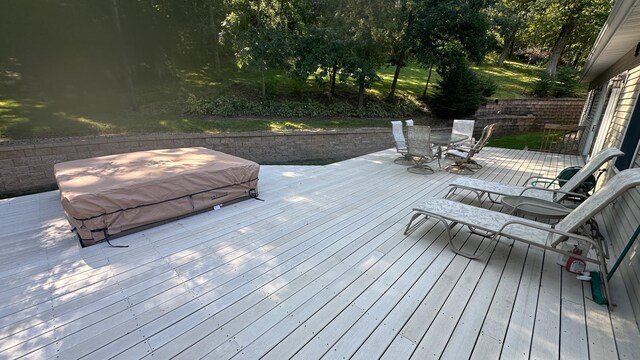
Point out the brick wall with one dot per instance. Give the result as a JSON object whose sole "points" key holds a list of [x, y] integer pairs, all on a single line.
{"points": [[555, 111], [527, 115], [28, 167]]}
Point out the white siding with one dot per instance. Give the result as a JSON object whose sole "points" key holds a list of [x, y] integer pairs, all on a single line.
{"points": [[623, 217]]}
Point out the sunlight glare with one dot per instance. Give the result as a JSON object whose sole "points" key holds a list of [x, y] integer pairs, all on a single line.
{"points": [[84, 120]]}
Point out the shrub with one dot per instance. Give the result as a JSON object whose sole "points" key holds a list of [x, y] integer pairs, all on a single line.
{"points": [[460, 92], [232, 106], [563, 84], [488, 86], [544, 86], [566, 82]]}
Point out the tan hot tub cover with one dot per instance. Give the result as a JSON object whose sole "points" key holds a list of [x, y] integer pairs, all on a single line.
{"points": [[117, 194]]}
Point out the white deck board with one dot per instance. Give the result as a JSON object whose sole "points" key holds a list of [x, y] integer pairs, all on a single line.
{"points": [[320, 268]]}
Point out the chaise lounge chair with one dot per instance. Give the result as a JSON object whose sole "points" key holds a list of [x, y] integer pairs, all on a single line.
{"points": [[482, 187], [495, 224]]}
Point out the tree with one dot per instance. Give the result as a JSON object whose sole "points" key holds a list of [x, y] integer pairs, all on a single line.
{"points": [[259, 35], [367, 26], [438, 24], [216, 15], [509, 16], [460, 91], [320, 42], [346, 40], [572, 16], [401, 43], [124, 59], [566, 28]]}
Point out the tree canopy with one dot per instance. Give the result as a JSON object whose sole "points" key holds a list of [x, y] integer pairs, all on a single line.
{"points": [[83, 45]]}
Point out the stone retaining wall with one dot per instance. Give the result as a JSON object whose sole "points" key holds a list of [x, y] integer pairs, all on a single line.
{"points": [[28, 167], [556, 111]]}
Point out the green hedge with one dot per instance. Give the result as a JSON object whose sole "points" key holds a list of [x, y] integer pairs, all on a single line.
{"points": [[235, 106]]}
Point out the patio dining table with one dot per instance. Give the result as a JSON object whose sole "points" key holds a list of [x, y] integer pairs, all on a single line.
{"points": [[445, 139]]}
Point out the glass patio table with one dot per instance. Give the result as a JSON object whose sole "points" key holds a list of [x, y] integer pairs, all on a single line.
{"points": [[444, 140]]}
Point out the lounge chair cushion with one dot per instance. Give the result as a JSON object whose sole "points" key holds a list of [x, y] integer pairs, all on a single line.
{"points": [[498, 188], [513, 190], [484, 219]]}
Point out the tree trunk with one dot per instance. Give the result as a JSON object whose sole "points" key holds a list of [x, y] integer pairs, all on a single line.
{"points": [[213, 23], [400, 62], [506, 49], [334, 72], [361, 95], [576, 60], [563, 37], [558, 47], [123, 58], [424, 93], [396, 75], [263, 84]]}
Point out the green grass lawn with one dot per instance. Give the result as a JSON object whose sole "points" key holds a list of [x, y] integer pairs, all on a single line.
{"points": [[532, 140], [34, 114]]}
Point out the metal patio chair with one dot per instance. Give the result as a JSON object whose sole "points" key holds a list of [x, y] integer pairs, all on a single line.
{"points": [[420, 149], [401, 143], [464, 127], [463, 155]]}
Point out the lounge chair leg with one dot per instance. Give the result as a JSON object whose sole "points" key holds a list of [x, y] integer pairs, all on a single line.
{"points": [[607, 290], [481, 250], [493, 201], [458, 250], [604, 273], [478, 232], [410, 229], [451, 192], [479, 194]]}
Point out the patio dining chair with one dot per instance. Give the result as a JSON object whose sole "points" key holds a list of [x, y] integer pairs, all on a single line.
{"points": [[495, 190], [401, 143], [462, 155], [464, 127], [420, 149], [495, 224]]}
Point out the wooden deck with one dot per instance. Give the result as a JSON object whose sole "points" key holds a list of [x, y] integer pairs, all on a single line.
{"points": [[321, 268]]}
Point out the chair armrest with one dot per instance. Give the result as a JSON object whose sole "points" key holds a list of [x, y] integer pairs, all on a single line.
{"points": [[555, 191], [564, 234], [541, 179]]}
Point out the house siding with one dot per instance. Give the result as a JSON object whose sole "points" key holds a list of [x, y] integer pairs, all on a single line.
{"points": [[623, 217], [621, 220], [624, 108]]}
